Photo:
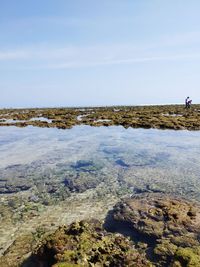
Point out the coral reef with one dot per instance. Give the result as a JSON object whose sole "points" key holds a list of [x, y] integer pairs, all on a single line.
{"points": [[85, 243], [169, 226], [142, 230], [162, 117]]}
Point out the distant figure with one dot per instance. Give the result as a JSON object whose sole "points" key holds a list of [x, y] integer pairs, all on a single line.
{"points": [[189, 103], [187, 100]]}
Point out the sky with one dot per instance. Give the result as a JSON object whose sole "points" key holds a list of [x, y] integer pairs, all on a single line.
{"points": [[97, 53]]}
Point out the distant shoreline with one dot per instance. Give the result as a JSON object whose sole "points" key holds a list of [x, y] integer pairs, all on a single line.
{"points": [[95, 106]]}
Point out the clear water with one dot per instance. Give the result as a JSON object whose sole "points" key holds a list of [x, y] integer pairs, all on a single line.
{"points": [[137, 160], [11, 121], [41, 119]]}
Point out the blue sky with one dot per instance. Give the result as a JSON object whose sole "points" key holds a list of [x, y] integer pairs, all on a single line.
{"points": [[108, 52]]}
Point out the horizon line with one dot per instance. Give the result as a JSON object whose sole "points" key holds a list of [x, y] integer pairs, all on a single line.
{"points": [[96, 106]]}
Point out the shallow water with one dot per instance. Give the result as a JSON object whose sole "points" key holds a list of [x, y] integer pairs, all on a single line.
{"points": [[138, 160], [11, 121], [50, 177], [41, 119]]}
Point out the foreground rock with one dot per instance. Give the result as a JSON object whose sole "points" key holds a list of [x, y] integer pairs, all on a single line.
{"points": [[144, 230], [87, 244], [167, 228]]}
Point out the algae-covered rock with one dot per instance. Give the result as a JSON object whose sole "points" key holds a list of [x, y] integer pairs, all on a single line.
{"points": [[164, 232], [162, 117], [159, 215], [188, 257], [86, 166], [165, 250], [24, 245], [170, 226], [84, 176], [81, 182], [85, 243]]}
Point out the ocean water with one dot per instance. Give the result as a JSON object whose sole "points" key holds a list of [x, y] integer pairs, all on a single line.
{"points": [[81, 158]]}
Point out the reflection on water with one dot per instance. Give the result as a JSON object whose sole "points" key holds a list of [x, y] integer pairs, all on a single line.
{"points": [[53, 162]]}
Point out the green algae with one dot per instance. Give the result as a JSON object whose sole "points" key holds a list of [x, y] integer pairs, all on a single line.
{"points": [[162, 117], [85, 243], [65, 264], [168, 227], [189, 257]]}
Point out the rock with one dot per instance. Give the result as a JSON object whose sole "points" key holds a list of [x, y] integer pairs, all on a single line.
{"points": [[165, 250], [81, 183], [34, 198], [162, 117], [189, 257], [85, 243], [170, 226]]}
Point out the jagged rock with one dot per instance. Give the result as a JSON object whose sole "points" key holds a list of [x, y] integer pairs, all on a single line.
{"points": [[85, 243], [170, 226]]}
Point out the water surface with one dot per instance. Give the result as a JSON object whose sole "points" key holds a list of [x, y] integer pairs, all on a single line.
{"points": [[52, 161]]}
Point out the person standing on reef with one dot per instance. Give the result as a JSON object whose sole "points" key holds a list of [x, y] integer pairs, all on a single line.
{"points": [[189, 103], [187, 100]]}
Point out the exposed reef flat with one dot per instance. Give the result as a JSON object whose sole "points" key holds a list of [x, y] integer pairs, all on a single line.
{"points": [[142, 230], [86, 243], [34, 222], [166, 227], [160, 117]]}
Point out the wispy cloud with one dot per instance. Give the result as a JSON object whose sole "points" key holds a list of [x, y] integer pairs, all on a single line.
{"points": [[69, 65], [13, 55], [52, 57]]}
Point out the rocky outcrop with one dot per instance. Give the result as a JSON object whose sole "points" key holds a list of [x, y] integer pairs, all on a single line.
{"points": [[165, 231], [85, 243], [170, 227], [143, 230]]}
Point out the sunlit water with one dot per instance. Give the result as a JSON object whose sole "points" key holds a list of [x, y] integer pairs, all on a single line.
{"points": [[140, 160]]}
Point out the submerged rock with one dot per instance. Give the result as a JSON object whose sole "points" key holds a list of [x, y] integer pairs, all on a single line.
{"points": [[86, 166], [84, 176], [14, 186]]}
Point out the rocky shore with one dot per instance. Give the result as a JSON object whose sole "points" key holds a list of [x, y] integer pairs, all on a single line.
{"points": [[143, 230], [165, 227], [108, 206], [161, 117]]}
